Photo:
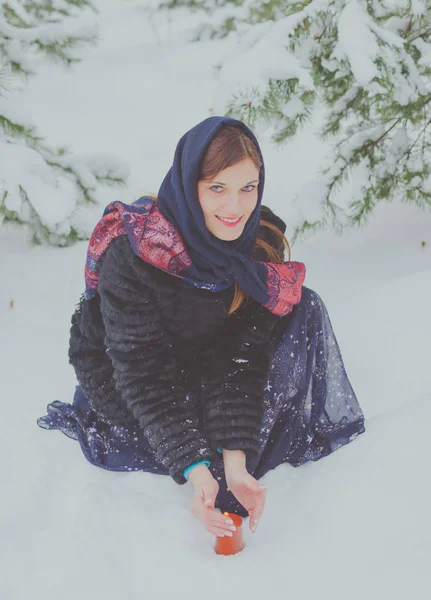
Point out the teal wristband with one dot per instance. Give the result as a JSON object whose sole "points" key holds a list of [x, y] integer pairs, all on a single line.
{"points": [[220, 450], [200, 462]]}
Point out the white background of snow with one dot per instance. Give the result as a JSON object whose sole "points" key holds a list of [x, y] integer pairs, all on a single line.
{"points": [[356, 522]]}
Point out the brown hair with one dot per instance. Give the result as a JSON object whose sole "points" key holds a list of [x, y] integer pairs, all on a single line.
{"points": [[230, 146]]}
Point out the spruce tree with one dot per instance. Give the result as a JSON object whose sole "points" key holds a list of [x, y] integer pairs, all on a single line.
{"points": [[49, 190], [367, 63]]}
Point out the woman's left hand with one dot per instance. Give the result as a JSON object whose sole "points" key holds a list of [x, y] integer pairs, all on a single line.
{"points": [[249, 492]]}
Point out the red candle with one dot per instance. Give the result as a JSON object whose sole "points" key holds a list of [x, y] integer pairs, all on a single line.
{"points": [[231, 544]]}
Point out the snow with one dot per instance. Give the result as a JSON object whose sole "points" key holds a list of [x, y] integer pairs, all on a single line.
{"points": [[52, 194], [351, 46], [38, 180], [20, 40], [356, 522]]}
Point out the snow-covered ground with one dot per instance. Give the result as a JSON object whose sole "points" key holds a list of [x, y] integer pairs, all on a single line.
{"points": [[355, 523]]}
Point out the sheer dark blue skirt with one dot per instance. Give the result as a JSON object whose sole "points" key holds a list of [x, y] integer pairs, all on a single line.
{"points": [[311, 409]]}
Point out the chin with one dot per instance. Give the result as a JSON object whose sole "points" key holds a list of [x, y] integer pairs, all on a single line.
{"points": [[229, 236], [226, 234], [227, 240]]}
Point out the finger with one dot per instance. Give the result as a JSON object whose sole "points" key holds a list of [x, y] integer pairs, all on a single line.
{"points": [[213, 516], [223, 529], [259, 487], [253, 524], [257, 512], [223, 524], [222, 519], [250, 518], [260, 505], [219, 532]]}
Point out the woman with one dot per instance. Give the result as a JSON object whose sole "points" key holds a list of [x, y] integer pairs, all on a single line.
{"points": [[199, 352]]}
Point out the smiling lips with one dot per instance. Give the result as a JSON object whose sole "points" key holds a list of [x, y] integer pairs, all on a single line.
{"points": [[230, 222]]}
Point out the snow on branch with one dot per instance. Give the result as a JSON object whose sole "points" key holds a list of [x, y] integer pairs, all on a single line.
{"points": [[52, 27], [51, 191], [366, 63]]}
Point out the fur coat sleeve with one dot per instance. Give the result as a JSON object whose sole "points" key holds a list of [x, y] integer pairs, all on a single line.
{"points": [[145, 373], [236, 369], [93, 367]]}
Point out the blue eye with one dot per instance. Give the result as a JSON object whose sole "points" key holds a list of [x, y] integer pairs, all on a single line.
{"points": [[247, 186]]}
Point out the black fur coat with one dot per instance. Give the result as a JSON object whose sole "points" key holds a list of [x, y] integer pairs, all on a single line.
{"points": [[147, 335]]}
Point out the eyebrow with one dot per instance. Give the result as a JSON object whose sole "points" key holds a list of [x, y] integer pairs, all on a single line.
{"points": [[219, 182]]}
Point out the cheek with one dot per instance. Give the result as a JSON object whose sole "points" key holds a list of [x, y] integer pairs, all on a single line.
{"points": [[211, 204], [250, 205], [202, 201], [206, 205]]}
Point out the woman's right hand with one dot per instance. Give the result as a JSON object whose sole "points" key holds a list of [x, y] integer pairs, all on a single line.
{"points": [[206, 490]]}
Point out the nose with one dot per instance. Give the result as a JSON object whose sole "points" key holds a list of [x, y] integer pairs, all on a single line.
{"points": [[234, 204]]}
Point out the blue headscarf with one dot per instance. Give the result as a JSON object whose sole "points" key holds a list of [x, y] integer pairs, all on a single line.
{"points": [[216, 261], [172, 235]]}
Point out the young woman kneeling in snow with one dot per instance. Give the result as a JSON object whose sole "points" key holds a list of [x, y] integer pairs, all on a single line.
{"points": [[199, 352]]}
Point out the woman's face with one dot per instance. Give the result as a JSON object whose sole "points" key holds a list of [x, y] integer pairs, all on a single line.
{"points": [[232, 195]]}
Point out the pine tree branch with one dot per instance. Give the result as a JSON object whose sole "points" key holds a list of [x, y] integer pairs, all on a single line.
{"points": [[417, 35], [417, 139], [372, 143]]}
